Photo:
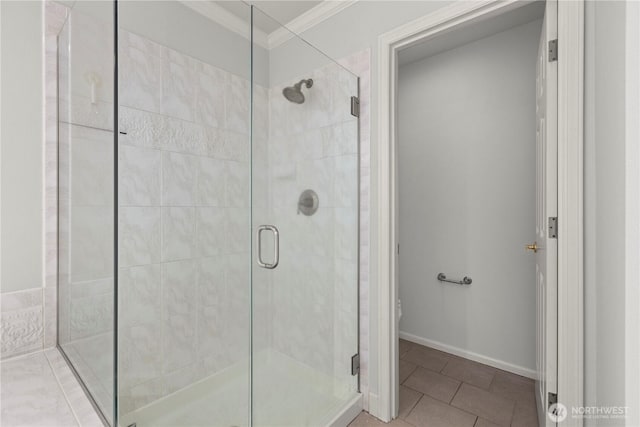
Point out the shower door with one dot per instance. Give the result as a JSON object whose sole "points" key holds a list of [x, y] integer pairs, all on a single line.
{"points": [[305, 225]]}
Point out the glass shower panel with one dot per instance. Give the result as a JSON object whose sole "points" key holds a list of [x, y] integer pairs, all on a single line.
{"points": [[305, 221], [86, 214], [184, 216]]}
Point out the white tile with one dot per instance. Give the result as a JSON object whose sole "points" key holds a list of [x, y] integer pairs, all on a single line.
{"points": [[91, 315], [237, 146], [20, 300], [284, 148], [318, 175], [212, 281], [311, 145], [178, 233], [178, 85], [140, 291], [140, 395], [80, 404], [260, 125], [140, 73], [211, 231], [238, 184], [237, 314], [209, 108], [341, 138], [22, 331], [179, 173], [91, 239], [95, 355], [320, 98], [215, 143], [211, 181], [139, 172], [30, 394], [140, 236], [346, 233], [213, 327], [181, 378], [141, 128], [184, 136], [90, 288], [92, 173], [237, 101], [283, 185], [238, 230], [50, 311], [179, 284], [346, 181], [140, 353]]}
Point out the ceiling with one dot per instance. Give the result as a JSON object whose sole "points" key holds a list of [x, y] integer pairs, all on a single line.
{"points": [[466, 34], [276, 13]]}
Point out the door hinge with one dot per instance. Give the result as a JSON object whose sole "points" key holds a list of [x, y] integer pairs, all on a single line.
{"points": [[355, 106], [553, 50], [398, 249], [553, 227], [355, 364], [553, 399]]}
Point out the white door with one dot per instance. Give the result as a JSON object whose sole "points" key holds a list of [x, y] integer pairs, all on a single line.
{"points": [[546, 208]]}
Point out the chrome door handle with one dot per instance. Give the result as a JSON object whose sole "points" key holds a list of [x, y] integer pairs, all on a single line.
{"points": [[276, 246]]}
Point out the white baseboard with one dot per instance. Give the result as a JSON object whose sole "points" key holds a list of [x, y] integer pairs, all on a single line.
{"points": [[500, 364], [350, 411]]}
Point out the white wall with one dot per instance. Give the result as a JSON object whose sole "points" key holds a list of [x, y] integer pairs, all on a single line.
{"points": [[466, 127], [21, 155]]}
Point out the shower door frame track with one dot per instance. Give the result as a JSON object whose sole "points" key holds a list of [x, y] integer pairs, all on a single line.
{"points": [[384, 405]]}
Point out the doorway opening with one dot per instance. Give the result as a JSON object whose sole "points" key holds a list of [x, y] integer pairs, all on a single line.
{"points": [[474, 179]]}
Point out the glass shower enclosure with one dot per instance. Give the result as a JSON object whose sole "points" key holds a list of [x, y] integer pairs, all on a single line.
{"points": [[208, 217]]}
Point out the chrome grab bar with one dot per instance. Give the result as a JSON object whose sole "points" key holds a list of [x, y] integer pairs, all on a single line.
{"points": [[466, 280], [276, 246]]}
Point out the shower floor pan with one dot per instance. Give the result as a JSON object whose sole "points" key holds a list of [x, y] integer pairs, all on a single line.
{"points": [[286, 393]]}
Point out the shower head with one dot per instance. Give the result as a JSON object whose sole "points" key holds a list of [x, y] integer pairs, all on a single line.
{"points": [[294, 93]]}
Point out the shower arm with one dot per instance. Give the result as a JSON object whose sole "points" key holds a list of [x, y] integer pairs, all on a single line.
{"points": [[307, 83]]}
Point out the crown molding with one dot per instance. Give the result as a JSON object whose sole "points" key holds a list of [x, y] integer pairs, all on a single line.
{"points": [[228, 20], [307, 20], [216, 13]]}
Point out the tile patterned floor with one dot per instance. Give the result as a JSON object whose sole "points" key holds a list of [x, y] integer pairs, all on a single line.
{"points": [[438, 389], [39, 389]]}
